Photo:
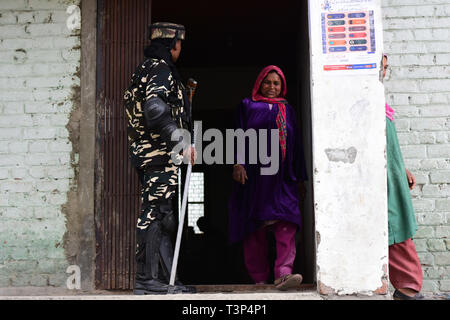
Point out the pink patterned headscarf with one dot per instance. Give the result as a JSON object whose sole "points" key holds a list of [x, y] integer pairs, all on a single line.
{"points": [[389, 112], [256, 95], [280, 101]]}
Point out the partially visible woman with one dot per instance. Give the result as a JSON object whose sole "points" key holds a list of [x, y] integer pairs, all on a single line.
{"points": [[405, 271], [263, 203]]}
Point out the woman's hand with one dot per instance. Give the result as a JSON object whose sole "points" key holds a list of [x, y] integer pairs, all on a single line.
{"points": [[239, 174], [411, 179]]}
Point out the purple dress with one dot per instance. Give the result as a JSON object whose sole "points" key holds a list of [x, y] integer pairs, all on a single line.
{"points": [[267, 197]]}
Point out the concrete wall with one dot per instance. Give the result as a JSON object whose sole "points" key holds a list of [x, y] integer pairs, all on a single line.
{"points": [[39, 131], [349, 173], [416, 34]]}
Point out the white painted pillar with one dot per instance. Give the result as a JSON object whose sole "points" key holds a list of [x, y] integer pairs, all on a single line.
{"points": [[349, 165]]}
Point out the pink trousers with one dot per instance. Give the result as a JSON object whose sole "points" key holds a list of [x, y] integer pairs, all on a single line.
{"points": [[404, 266], [256, 251]]}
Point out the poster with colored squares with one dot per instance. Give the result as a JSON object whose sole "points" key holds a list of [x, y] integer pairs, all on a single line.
{"points": [[348, 37], [349, 32]]}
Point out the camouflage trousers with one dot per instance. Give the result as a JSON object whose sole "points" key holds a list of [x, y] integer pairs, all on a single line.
{"points": [[157, 187], [156, 223]]}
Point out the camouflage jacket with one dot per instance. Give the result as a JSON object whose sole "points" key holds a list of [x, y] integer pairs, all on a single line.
{"points": [[153, 78]]}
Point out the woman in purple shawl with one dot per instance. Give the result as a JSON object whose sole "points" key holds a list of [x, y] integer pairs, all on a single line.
{"points": [[261, 203]]}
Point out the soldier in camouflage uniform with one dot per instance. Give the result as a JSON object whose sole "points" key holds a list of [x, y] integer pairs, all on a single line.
{"points": [[156, 105]]}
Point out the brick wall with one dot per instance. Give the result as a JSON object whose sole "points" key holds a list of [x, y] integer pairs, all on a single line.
{"points": [[416, 34], [40, 60]]}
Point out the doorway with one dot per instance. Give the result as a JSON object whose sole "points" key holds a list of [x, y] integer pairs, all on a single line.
{"points": [[227, 44]]}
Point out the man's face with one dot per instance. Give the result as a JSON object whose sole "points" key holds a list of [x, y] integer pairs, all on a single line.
{"points": [[176, 51]]}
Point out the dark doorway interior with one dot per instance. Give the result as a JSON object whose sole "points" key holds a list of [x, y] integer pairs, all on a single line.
{"points": [[227, 44]]}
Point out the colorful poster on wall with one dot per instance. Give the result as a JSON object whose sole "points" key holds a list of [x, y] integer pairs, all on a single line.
{"points": [[348, 36]]}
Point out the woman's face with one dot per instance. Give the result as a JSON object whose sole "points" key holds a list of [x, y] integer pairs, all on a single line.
{"points": [[271, 85]]}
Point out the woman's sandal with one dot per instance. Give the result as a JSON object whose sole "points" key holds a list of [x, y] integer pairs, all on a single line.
{"points": [[401, 296], [288, 281]]}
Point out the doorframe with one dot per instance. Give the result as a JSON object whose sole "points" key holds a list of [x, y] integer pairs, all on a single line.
{"points": [[85, 208], [90, 170]]}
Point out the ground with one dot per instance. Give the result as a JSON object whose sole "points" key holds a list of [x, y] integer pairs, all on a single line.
{"points": [[34, 293]]}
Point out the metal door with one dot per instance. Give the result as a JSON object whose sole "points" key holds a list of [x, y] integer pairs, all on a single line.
{"points": [[122, 30]]}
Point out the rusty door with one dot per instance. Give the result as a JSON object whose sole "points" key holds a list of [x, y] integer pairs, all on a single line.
{"points": [[122, 30]]}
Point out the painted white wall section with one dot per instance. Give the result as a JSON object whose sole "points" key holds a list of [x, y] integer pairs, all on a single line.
{"points": [[349, 166], [39, 94]]}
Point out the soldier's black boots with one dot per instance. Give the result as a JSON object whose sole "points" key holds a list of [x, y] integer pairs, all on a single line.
{"points": [[154, 256], [153, 286]]}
